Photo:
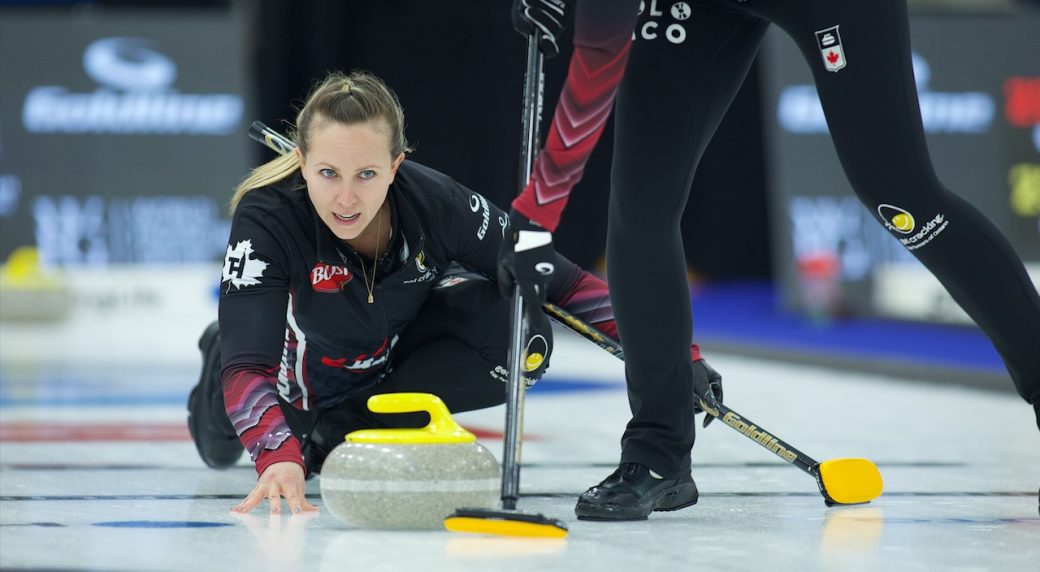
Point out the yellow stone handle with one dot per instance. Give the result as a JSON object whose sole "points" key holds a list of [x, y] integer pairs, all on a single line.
{"points": [[441, 428]]}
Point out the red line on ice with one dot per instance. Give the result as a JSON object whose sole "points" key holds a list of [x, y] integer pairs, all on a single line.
{"points": [[36, 432]]}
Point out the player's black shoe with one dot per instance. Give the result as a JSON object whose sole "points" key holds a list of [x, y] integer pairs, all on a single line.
{"points": [[632, 492], [208, 423]]}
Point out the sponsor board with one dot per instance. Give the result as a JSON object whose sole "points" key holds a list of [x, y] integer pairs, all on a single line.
{"points": [[99, 230], [908, 291], [121, 314], [980, 115], [135, 95], [119, 144], [962, 112]]}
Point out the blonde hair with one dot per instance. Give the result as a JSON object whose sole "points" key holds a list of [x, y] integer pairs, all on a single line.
{"points": [[347, 99]]}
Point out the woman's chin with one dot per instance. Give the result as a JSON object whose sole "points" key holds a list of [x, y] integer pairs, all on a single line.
{"points": [[348, 230]]}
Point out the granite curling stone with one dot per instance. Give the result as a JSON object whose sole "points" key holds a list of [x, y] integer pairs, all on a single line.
{"points": [[408, 478]]}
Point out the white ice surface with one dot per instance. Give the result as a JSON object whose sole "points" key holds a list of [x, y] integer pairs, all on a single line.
{"points": [[961, 470]]}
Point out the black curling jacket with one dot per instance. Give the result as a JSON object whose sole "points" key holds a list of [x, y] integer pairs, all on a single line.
{"points": [[294, 313]]}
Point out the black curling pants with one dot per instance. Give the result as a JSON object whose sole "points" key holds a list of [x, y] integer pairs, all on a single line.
{"points": [[669, 105], [456, 349]]}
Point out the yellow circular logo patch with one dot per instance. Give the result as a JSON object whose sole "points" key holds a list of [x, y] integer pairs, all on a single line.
{"points": [[534, 360]]}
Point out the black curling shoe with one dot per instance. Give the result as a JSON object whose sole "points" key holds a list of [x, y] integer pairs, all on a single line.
{"points": [[632, 492], [208, 423]]}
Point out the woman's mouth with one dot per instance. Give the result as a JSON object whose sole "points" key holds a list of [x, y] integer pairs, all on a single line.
{"points": [[346, 218]]}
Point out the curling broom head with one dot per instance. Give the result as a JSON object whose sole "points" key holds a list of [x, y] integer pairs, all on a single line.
{"points": [[504, 523], [850, 481]]}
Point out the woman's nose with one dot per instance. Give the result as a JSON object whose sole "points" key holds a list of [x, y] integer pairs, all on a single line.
{"points": [[346, 197]]}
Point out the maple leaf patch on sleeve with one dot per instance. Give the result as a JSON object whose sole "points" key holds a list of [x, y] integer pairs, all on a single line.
{"points": [[240, 268]]}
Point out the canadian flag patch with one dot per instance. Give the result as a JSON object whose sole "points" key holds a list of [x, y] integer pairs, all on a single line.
{"points": [[329, 278], [829, 41]]}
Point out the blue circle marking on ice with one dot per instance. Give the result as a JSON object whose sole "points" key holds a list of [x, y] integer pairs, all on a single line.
{"points": [[160, 524]]}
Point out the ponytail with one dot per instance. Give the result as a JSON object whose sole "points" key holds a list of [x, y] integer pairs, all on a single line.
{"points": [[270, 172]]}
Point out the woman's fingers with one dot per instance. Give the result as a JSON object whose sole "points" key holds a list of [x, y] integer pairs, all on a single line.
{"points": [[254, 498], [279, 480], [297, 502]]}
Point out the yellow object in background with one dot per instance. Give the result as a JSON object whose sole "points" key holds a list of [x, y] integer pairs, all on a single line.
{"points": [[30, 293]]}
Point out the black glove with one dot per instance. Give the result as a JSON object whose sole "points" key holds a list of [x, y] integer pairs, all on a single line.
{"points": [[532, 267], [548, 16], [707, 389], [526, 259]]}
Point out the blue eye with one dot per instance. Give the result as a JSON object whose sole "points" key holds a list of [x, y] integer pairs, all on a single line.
{"points": [[367, 174], [327, 173]]}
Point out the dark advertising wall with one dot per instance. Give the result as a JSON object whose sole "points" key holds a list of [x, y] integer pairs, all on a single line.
{"points": [[122, 133], [979, 87]]}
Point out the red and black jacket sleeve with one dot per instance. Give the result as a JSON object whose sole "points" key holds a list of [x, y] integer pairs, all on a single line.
{"points": [[254, 298], [602, 38]]}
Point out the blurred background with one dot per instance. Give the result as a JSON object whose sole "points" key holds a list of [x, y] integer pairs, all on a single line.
{"points": [[123, 131]]}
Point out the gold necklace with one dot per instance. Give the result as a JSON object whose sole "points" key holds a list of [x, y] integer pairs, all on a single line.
{"points": [[375, 260]]}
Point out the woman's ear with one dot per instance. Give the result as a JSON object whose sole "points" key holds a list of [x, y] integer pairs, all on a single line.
{"points": [[299, 157], [393, 166]]}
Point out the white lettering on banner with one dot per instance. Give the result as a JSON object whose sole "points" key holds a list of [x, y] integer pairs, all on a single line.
{"points": [[71, 233], [95, 230], [136, 96], [51, 109], [799, 109]]}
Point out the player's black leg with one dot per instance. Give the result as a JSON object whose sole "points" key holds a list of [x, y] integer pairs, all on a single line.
{"points": [[670, 102], [870, 101], [458, 346], [210, 428]]}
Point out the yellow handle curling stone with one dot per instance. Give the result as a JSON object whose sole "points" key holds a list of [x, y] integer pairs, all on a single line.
{"points": [[408, 478]]}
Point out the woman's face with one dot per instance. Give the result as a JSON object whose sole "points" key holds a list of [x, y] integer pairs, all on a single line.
{"points": [[348, 170]]}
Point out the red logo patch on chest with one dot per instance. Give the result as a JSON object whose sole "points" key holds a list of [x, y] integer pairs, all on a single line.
{"points": [[327, 278]]}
